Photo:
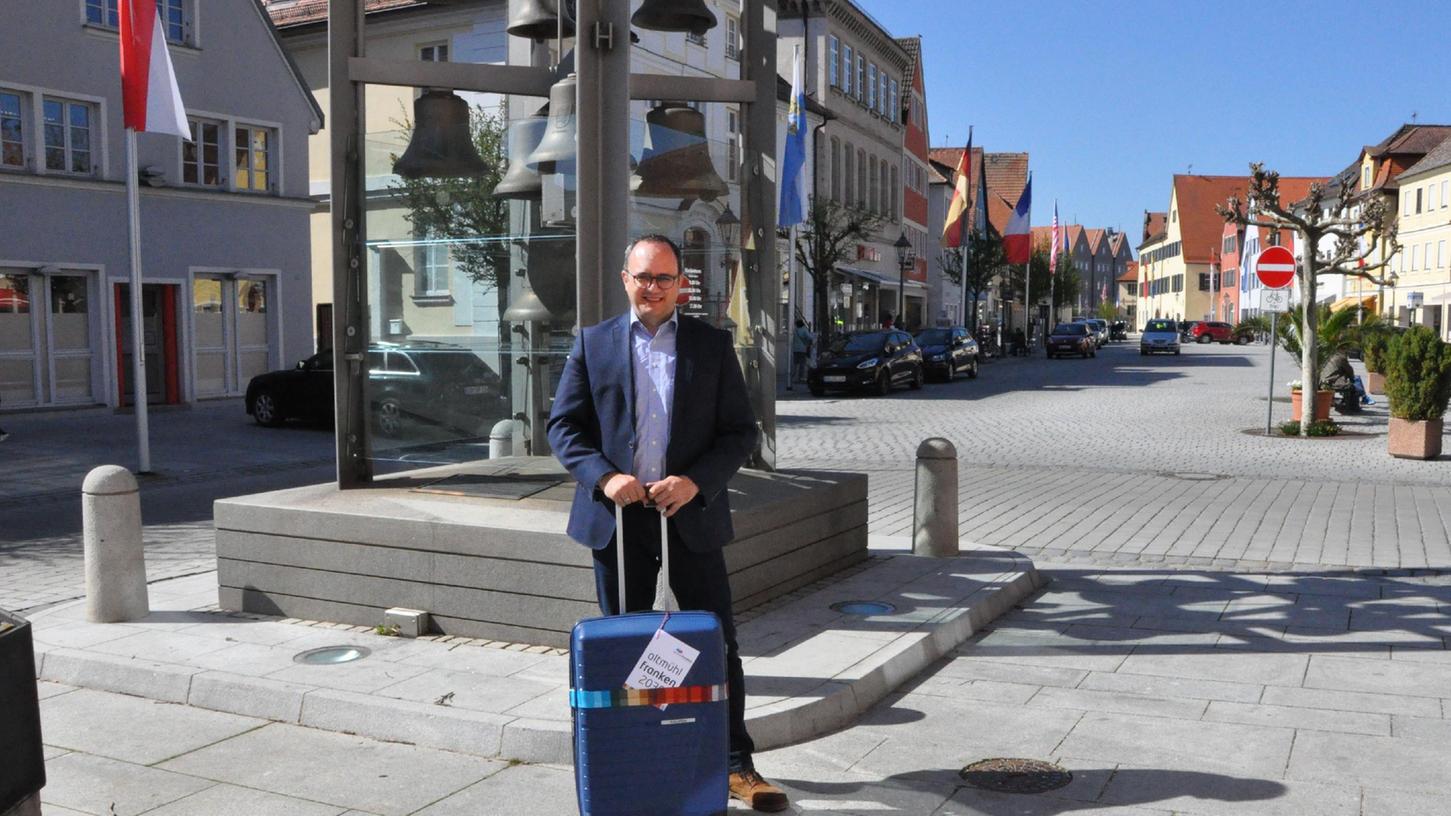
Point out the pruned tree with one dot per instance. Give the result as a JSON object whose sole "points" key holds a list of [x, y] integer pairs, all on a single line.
{"points": [[1358, 228], [985, 261], [1064, 283], [825, 240]]}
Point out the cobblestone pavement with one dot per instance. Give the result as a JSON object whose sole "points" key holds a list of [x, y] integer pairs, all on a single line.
{"points": [[1140, 459]]}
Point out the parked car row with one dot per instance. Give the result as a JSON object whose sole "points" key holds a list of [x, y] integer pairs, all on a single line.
{"points": [[877, 360]]}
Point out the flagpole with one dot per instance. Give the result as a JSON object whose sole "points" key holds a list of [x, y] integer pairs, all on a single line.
{"points": [[791, 312], [138, 346]]}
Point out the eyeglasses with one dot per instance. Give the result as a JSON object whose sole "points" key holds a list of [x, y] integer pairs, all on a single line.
{"points": [[661, 281]]}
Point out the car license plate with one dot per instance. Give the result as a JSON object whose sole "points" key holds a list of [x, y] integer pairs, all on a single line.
{"points": [[475, 390], [834, 378]]}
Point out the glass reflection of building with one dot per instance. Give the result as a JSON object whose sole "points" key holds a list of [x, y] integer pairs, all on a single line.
{"points": [[480, 226]]}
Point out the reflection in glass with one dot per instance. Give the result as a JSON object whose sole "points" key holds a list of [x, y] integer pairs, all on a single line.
{"points": [[70, 323], [209, 337]]}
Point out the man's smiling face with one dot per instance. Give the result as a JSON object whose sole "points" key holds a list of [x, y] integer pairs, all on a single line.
{"points": [[653, 302]]}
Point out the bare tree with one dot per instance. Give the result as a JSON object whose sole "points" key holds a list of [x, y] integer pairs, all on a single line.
{"points": [[1358, 228], [824, 241], [985, 261]]}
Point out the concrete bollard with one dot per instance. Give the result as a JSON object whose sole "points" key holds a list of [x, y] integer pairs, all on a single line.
{"points": [[934, 514], [501, 439], [115, 560]]}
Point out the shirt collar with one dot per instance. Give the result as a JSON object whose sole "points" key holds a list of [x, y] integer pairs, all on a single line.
{"points": [[673, 322]]}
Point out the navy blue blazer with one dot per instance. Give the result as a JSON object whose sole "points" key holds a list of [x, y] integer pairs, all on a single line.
{"points": [[712, 427]]}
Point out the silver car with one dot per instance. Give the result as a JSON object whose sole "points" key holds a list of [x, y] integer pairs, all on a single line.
{"points": [[1160, 336]]}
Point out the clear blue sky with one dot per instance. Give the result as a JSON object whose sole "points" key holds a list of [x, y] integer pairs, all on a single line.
{"points": [[1112, 98]]}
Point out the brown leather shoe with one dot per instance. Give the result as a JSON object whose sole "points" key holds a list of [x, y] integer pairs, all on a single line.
{"points": [[751, 788]]}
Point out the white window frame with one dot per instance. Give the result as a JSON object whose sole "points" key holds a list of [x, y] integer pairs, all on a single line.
{"points": [[882, 92], [733, 38], [22, 102], [871, 86], [223, 151], [861, 75], [848, 72], [434, 270], [733, 144], [430, 52], [274, 156], [92, 128], [110, 8], [892, 108], [833, 68], [232, 349]]}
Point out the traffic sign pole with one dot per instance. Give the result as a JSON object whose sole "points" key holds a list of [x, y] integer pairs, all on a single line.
{"points": [[1275, 268], [1270, 403]]}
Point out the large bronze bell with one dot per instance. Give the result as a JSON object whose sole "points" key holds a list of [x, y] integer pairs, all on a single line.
{"points": [[519, 181], [442, 144], [539, 19], [556, 152], [677, 162], [674, 15], [551, 269]]}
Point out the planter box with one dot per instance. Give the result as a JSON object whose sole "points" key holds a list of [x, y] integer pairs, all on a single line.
{"points": [[1375, 382], [22, 766], [1323, 400], [1414, 439]]}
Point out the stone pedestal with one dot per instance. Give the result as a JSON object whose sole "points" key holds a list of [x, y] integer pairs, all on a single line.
{"points": [[481, 547]]}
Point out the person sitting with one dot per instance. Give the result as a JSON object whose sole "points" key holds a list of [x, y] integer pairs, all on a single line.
{"points": [[1337, 375]]}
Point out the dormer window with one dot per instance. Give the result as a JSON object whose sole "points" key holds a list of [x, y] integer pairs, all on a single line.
{"points": [[175, 17]]}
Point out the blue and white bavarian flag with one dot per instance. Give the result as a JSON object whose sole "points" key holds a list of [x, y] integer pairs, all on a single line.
{"points": [[793, 160]]}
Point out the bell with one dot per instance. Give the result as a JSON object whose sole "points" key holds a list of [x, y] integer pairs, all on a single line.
{"points": [[527, 308], [556, 150], [551, 269], [519, 181], [442, 144], [674, 15], [677, 162], [539, 19]]}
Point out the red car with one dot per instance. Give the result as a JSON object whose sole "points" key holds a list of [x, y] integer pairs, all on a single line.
{"points": [[1211, 331]]}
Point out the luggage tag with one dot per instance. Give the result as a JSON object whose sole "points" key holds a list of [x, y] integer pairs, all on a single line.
{"points": [[665, 663]]}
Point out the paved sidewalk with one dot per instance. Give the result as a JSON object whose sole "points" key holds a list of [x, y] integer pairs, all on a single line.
{"points": [[1163, 691]]}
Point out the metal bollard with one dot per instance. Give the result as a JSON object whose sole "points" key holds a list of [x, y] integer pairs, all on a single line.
{"points": [[934, 515], [111, 534], [501, 439]]}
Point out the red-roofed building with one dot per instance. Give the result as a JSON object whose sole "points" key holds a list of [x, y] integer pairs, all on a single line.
{"points": [[1127, 284], [915, 188]]}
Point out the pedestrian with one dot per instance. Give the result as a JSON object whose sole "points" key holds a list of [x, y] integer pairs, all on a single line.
{"points": [[619, 431], [801, 342]]}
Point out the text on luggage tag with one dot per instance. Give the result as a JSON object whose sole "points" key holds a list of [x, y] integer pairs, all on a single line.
{"points": [[664, 664]]}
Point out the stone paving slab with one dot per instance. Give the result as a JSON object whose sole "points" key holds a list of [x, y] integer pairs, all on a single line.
{"points": [[811, 669]]}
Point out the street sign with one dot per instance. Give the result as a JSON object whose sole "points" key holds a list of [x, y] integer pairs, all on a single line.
{"points": [[1275, 300], [1275, 267]]}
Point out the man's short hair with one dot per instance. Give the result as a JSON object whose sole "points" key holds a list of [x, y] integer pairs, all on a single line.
{"points": [[656, 238]]}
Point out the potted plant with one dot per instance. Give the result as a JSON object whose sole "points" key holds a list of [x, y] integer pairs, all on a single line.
{"points": [[1373, 351], [1418, 383], [23, 772], [1323, 401]]}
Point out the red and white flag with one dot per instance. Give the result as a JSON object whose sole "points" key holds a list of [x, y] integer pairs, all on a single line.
{"points": [[1016, 244], [1057, 240], [149, 93]]}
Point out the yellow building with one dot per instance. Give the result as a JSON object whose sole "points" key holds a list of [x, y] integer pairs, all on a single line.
{"points": [[1423, 288], [1175, 261]]}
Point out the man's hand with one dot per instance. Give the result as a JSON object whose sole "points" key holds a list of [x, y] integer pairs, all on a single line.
{"points": [[623, 489], [672, 493]]}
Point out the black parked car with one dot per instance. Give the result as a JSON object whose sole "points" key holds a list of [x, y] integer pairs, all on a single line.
{"points": [[433, 383], [874, 360], [948, 352], [1072, 338]]}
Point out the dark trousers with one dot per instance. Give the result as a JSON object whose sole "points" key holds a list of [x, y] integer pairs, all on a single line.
{"points": [[699, 581]]}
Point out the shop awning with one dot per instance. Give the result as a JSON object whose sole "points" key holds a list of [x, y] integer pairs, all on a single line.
{"points": [[1366, 302], [878, 278]]}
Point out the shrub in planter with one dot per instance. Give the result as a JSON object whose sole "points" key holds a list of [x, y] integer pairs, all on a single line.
{"points": [[1418, 383], [1373, 349], [22, 765]]}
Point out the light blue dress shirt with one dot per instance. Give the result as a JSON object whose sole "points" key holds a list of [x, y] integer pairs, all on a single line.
{"points": [[653, 358]]}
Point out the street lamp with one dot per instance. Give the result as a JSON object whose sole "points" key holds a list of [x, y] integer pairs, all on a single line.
{"points": [[728, 227], [905, 258]]}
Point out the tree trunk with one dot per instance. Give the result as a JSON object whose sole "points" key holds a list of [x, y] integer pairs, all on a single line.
{"points": [[1309, 372]]}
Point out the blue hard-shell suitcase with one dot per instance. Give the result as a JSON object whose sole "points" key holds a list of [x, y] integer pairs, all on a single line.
{"points": [[630, 757]]}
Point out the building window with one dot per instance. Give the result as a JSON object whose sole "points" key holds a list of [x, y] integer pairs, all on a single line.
{"points": [[695, 38], [1418, 201], [1228, 282], [1430, 197], [850, 166], [846, 72], [1406, 209], [861, 179], [433, 52], [201, 158], [1445, 202], [733, 38], [861, 74], [173, 13], [733, 144], [892, 191], [1365, 177], [882, 93], [833, 48], [1440, 253], [12, 130], [835, 170], [892, 109], [67, 136], [872, 86], [1415, 257], [253, 150], [873, 191], [433, 269]]}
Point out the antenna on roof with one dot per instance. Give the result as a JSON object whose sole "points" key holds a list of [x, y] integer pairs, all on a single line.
{"points": [[1414, 114], [1190, 171]]}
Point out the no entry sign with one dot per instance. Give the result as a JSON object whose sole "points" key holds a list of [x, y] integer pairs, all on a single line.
{"points": [[1275, 267]]}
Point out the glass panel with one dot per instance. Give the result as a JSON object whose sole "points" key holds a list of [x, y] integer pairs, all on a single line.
{"points": [[12, 150], [73, 378], [251, 363], [70, 322], [251, 313], [496, 347], [15, 328], [207, 318], [210, 373], [17, 380]]}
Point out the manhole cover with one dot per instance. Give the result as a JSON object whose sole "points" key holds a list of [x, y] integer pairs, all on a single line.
{"points": [[1192, 476], [864, 608], [1006, 775], [331, 655]]}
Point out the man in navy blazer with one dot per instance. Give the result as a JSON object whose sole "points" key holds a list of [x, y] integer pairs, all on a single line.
{"points": [[652, 408]]}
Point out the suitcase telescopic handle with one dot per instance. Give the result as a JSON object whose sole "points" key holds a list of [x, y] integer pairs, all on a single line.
{"points": [[620, 553]]}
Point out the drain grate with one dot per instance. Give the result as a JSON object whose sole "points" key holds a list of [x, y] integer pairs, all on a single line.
{"points": [[1008, 775], [1192, 476]]}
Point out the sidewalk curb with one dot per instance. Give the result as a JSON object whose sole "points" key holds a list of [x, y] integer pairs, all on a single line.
{"points": [[906, 647]]}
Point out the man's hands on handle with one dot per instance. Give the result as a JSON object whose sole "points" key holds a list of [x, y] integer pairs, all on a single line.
{"points": [[669, 494]]}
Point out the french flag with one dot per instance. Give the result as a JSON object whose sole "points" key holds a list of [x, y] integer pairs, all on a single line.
{"points": [[1016, 245], [149, 93]]}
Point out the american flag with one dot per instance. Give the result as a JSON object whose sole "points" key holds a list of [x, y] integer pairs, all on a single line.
{"points": [[1053, 253]]}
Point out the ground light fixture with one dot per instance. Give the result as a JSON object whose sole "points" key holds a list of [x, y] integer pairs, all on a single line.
{"points": [[864, 608], [331, 655]]}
